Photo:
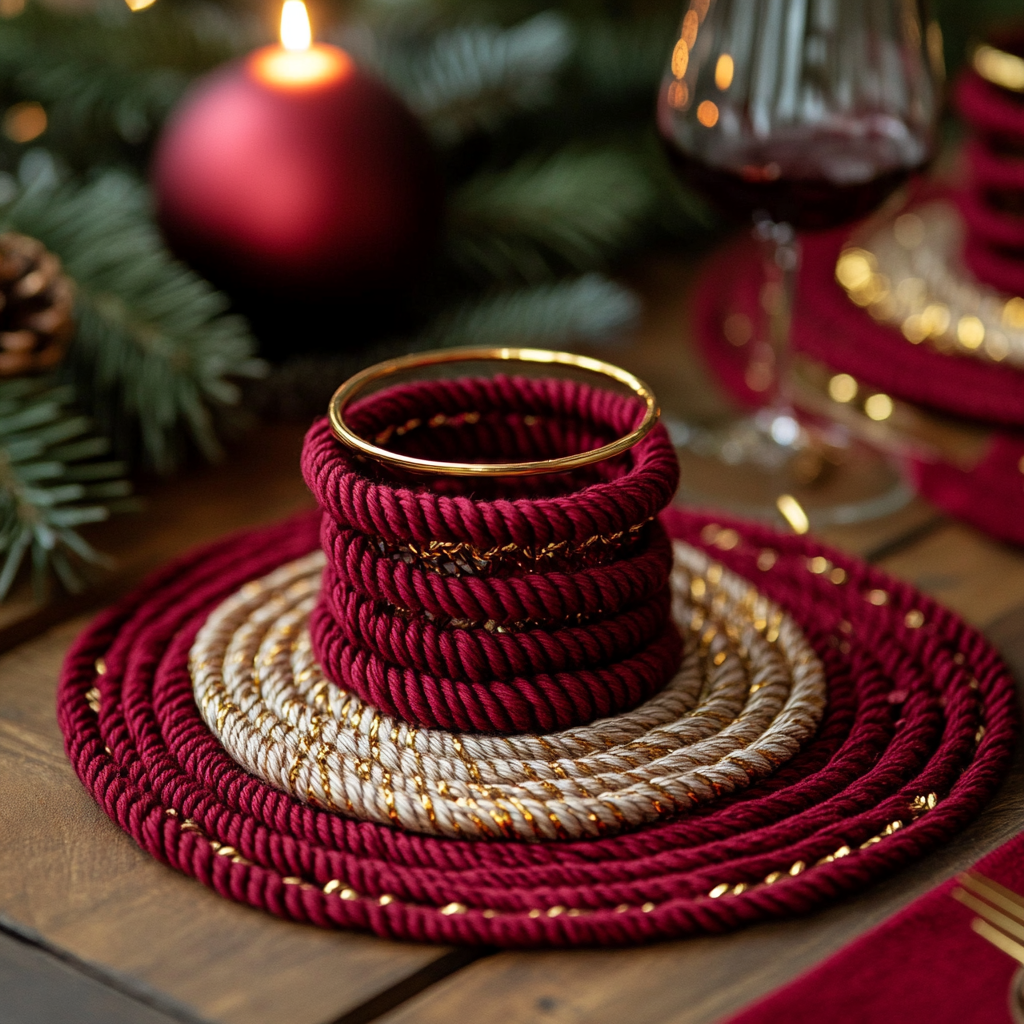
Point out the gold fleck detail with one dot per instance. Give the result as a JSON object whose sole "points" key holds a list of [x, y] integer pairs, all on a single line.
{"points": [[772, 878], [719, 890], [766, 559], [535, 913], [914, 619], [793, 512], [797, 867], [101, 667], [855, 269], [385, 898], [726, 540], [837, 576], [879, 407], [453, 908], [291, 880], [622, 908], [556, 911], [647, 907], [877, 597], [970, 331], [818, 565], [739, 888]]}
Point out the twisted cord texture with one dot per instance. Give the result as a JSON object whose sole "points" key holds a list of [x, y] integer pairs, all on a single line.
{"points": [[541, 607], [739, 707]]}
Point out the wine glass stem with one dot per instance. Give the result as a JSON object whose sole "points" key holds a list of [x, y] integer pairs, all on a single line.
{"points": [[780, 250]]}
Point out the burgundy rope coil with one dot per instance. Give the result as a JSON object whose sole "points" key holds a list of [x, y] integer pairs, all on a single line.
{"points": [[917, 733], [531, 604], [993, 207]]}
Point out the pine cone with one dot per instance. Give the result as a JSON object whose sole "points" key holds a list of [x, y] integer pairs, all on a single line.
{"points": [[36, 300]]}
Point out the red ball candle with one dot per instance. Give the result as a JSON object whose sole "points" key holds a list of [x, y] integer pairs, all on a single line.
{"points": [[294, 170]]}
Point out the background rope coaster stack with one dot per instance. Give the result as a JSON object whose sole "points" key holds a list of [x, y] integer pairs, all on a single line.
{"points": [[925, 307], [507, 605], [915, 735]]}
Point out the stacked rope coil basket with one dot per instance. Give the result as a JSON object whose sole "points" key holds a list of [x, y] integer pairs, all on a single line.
{"points": [[542, 605]]}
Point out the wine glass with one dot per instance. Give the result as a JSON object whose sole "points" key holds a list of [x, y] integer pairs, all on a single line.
{"points": [[800, 115]]}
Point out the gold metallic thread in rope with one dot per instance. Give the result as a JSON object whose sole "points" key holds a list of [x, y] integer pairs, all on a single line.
{"points": [[907, 274], [999, 67], [559, 772]]}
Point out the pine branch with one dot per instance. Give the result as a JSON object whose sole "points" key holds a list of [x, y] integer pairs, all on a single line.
{"points": [[622, 58], [589, 308], [573, 210], [107, 77], [53, 479], [155, 351], [473, 77]]}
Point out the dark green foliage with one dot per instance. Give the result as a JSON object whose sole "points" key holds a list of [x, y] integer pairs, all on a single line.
{"points": [[154, 350], [542, 216], [108, 78], [590, 308], [54, 477]]}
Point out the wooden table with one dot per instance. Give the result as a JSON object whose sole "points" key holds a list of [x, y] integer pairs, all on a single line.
{"points": [[93, 930]]}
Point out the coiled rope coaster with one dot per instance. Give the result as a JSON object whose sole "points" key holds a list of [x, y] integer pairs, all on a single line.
{"points": [[504, 707], [741, 704], [915, 735]]}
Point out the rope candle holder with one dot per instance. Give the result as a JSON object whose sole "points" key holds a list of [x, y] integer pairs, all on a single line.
{"points": [[541, 606]]}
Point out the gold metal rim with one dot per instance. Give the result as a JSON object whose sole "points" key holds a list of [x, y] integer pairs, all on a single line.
{"points": [[357, 383], [999, 67]]}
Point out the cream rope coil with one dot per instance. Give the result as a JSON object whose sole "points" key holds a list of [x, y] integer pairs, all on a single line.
{"points": [[748, 693]]}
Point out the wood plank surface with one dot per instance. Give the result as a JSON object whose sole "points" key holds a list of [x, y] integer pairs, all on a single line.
{"points": [[71, 875], [38, 988]]}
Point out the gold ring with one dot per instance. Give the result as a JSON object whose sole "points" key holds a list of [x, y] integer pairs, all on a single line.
{"points": [[999, 67], [354, 385]]}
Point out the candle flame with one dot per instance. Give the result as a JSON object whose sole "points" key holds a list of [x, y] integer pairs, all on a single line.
{"points": [[295, 31]]}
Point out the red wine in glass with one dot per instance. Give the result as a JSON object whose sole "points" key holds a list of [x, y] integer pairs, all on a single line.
{"points": [[810, 111], [794, 114], [797, 183]]}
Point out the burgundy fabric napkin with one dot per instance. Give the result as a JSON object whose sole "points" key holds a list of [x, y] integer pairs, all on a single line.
{"points": [[925, 965]]}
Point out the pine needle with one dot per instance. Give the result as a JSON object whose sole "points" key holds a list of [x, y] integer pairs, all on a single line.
{"points": [[589, 308], [575, 209], [53, 479], [155, 351], [108, 77], [474, 77]]}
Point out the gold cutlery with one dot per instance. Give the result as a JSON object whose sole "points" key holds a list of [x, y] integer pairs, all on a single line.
{"points": [[1000, 920]]}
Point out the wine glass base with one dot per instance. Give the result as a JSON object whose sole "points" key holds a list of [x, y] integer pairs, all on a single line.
{"points": [[746, 467]]}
